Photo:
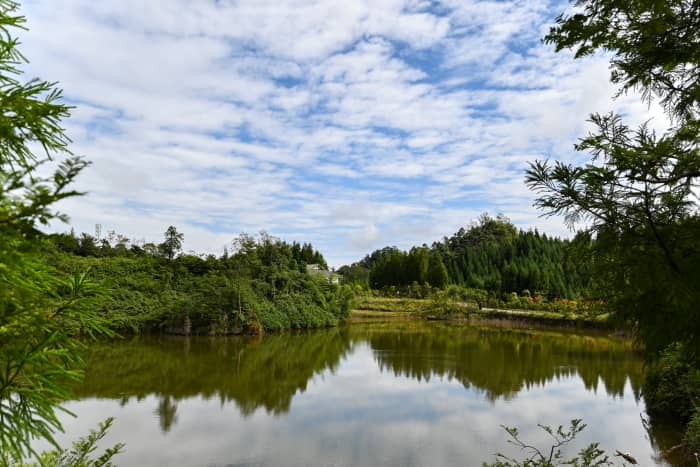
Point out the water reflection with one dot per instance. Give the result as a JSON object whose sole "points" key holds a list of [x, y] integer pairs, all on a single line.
{"points": [[251, 372], [501, 361], [400, 393], [167, 413]]}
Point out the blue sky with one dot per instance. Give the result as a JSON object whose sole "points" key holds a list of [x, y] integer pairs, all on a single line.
{"points": [[353, 125]]}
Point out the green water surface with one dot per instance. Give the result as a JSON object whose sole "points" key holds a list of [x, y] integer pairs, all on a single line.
{"points": [[398, 393]]}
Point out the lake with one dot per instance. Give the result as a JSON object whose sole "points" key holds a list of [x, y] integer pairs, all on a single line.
{"points": [[397, 393]]}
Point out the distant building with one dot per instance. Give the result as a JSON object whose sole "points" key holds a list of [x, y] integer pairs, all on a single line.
{"points": [[317, 269]]}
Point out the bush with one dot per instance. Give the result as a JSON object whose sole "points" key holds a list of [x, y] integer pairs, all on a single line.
{"points": [[692, 433], [82, 454], [672, 386], [209, 296]]}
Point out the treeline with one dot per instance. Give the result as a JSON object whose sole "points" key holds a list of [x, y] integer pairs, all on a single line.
{"points": [[490, 255], [419, 266], [263, 284], [114, 244], [493, 255]]}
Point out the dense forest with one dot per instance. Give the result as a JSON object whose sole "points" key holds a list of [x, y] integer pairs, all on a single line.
{"points": [[262, 285], [490, 254]]}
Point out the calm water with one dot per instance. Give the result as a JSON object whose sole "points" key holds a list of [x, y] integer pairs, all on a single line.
{"points": [[405, 393]]}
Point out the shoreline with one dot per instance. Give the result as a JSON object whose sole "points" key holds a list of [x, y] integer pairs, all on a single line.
{"points": [[387, 308]]}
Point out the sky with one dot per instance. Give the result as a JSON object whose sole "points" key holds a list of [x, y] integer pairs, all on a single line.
{"points": [[351, 125]]}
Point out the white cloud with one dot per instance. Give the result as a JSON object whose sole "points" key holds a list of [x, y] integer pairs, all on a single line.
{"points": [[352, 125]]}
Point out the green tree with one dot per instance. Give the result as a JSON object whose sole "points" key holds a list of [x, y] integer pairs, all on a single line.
{"points": [[417, 265], [41, 312], [654, 45], [173, 242], [437, 272], [637, 196], [87, 245]]}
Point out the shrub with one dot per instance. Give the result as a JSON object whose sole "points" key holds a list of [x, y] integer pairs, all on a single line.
{"points": [[82, 454], [692, 433], [672, 385]]}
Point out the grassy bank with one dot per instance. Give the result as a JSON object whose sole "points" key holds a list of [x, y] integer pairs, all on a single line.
{"points": [[445, 309]]}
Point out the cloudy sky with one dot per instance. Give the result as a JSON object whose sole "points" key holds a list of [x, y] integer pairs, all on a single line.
{"points": [[353, 124]]}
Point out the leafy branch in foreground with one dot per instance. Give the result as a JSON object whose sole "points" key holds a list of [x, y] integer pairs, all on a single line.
{"points": [[654, 46], [40, 350], [82, 452], [31, 112], [42, 313], [590, 456], [637, 198]]}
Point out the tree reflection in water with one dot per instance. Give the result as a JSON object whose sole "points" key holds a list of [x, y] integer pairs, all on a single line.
{"points": [[266, 373]]}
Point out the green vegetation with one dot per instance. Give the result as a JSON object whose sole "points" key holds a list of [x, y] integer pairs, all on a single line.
{"points": [[672, 391], [385, 304], [491, 256], [638, 195], [461, 303], [494, 256], [82, 454], [419, 266], [264, 285], [43, 313], [640, 253], [692, 434], [591, 456], [672, 385], [491, 267]]}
